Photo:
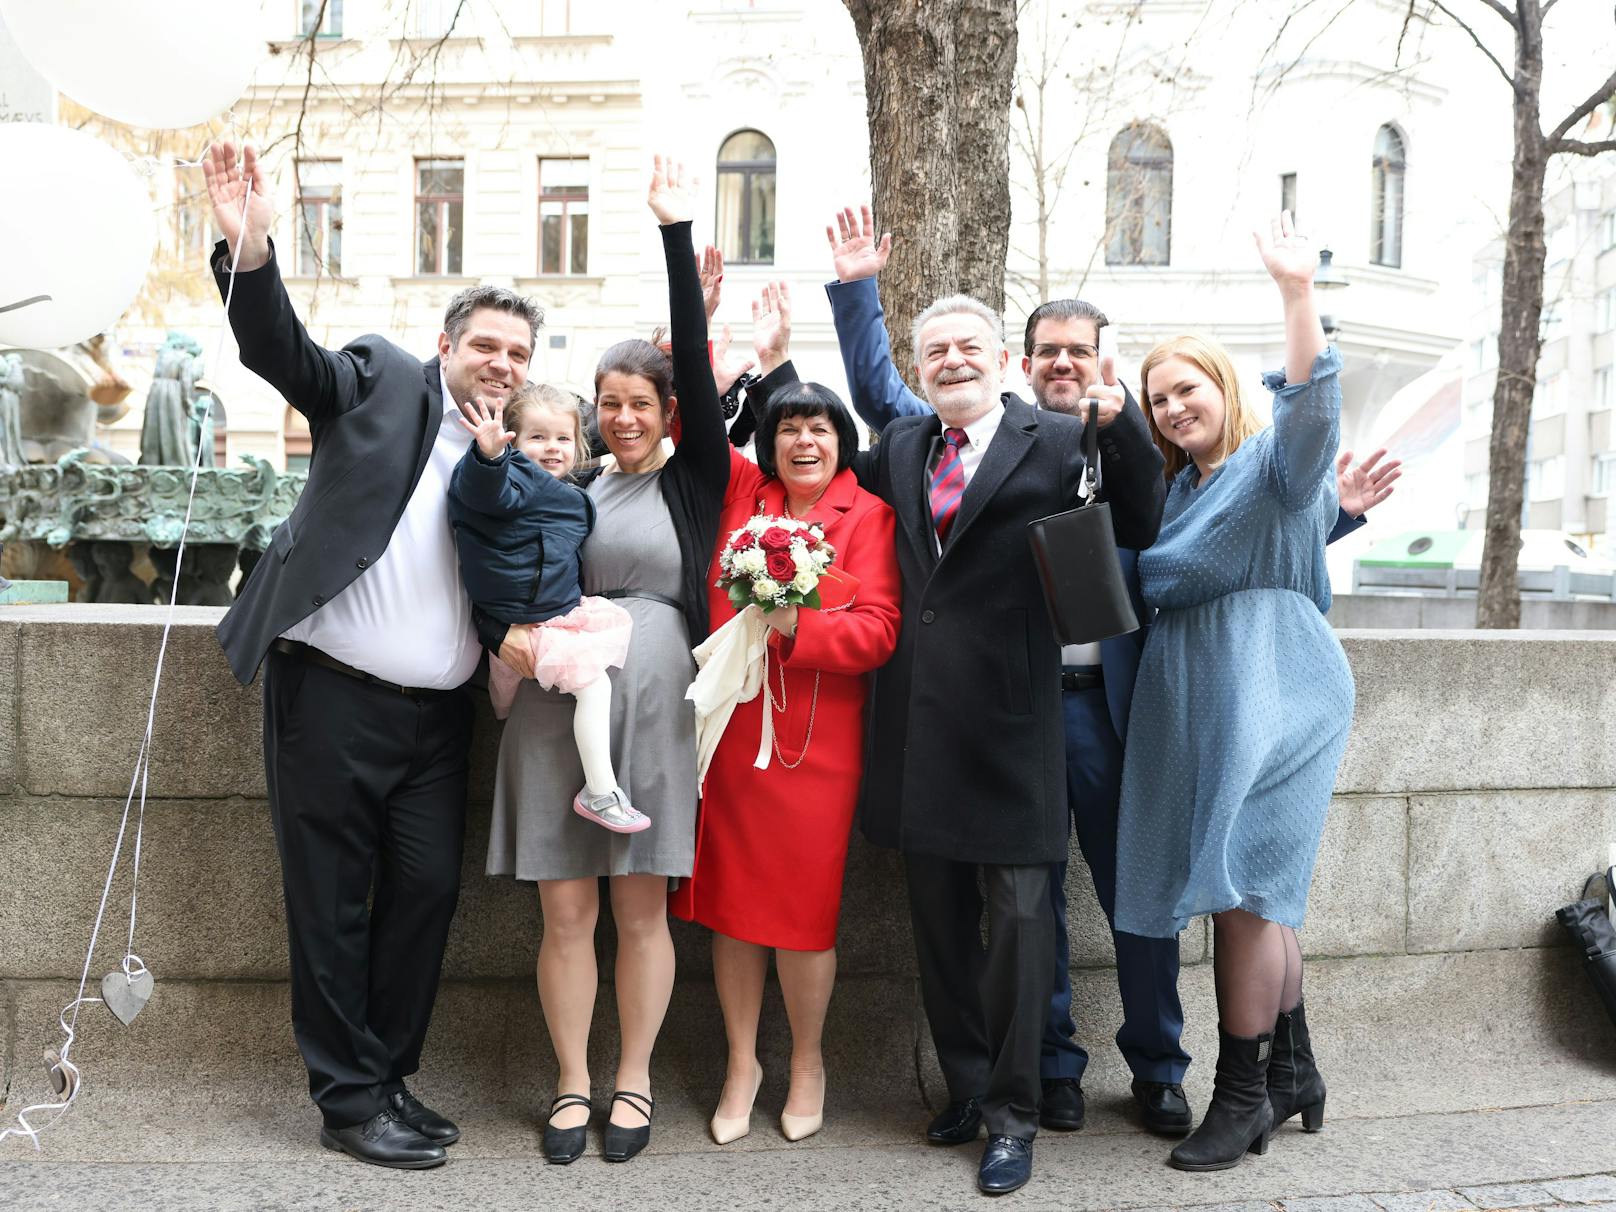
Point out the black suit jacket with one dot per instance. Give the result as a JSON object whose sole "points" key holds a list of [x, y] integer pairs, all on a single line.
{"points": [[967, 755], [374, 412]]}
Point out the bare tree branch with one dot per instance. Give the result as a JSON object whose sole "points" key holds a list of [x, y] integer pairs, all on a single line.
{"points": [[1474, 37], [1598, 97], [1544, 11], [1503, 10], [1408, 18], [1581, 147]]}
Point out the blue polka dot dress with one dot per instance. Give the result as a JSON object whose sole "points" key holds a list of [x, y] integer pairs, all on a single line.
{"points": [[1244, 698]]}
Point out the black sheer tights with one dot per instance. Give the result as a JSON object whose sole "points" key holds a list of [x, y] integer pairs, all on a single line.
{"points": [[1257, 967]]}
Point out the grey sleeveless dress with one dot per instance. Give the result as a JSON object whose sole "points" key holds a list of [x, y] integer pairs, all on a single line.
{"points": [[536, 835]]}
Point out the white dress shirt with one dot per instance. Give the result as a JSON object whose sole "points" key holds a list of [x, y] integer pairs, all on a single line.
{"points": [[978, 434], [407, 618]]}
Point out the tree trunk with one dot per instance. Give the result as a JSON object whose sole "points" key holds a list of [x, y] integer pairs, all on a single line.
{"points": [[937, 83], [1498, 599]]}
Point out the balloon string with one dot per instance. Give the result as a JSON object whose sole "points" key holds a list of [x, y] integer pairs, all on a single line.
{"points": [[131, 965]]}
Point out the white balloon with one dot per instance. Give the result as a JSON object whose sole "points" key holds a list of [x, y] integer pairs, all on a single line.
{"points": [[78, 239], [154, 63]]}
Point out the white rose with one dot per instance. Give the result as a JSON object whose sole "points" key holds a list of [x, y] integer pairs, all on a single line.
{"points": [[758, 524], [801, 558], [804, 582], [751, 563], [823, 557], [765, 590]]}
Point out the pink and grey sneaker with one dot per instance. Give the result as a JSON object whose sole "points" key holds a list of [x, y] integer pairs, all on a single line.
{"points": [[610, 811]]}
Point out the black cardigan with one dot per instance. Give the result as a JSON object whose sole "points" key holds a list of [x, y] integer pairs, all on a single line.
{"points": [[696, 475]]}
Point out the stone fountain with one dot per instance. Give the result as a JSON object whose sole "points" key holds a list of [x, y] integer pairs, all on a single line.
{"points": [[60, 492]]}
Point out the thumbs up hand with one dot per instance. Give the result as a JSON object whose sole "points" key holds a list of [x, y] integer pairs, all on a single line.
{"points": [[1108, 392]]}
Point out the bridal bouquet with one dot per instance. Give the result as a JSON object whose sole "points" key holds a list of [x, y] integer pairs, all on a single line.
{"points": [[774, 562], [768, 563]]}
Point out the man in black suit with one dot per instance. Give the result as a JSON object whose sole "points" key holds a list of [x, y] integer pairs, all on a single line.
{"points": [[966, 768], [368, 634]]}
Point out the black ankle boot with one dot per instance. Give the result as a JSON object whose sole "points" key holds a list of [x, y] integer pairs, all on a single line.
{"points": [[1239, 1119], [1294, 1083]]}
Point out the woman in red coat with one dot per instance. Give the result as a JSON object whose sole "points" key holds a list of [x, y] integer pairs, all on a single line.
{"points": [[771, 844]]}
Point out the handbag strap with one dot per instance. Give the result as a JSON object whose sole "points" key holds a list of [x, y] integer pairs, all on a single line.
{"points": [[1090, 487]]}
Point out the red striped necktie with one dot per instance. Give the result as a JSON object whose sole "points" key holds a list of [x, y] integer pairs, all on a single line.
{"points": [[948, 483]]}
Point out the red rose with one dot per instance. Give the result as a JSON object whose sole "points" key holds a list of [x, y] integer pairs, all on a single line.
{"points": [[744, 541], [781, 566], [776, 538]]}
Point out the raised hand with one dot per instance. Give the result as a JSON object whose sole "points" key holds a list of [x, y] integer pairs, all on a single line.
{"points": [[486, 423], [854, 249], [1289, 256], [1108, 392], [672, 197], [712, 278], [771, 326], [227, 179], [727, 366], [1363, 487]]}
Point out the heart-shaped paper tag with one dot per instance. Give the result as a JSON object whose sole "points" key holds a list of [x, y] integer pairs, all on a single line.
{"points": [[126, 996]]}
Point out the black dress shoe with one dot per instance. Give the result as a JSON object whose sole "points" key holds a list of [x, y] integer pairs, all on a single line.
{"points": [[1006, 1165], [623, 1143], [956, 1124], [563, 1145], [1164, 1106], [385, 1140], [422, 1118], [1062, 1105]]}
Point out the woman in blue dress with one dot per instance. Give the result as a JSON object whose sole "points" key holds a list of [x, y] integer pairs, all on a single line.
{"points": [[1243, 703]]}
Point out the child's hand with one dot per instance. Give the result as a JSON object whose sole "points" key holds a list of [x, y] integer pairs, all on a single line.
{"points": [[486, 423]]}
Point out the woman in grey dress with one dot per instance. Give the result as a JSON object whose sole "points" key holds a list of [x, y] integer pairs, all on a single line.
{"points": [[656, 524]]}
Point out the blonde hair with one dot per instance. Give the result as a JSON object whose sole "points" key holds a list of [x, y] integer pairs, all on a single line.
{"points": [[1212, 360], [531, 396]]}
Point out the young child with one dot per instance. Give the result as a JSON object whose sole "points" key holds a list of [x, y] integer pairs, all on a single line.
{"points": [[518, 524]]}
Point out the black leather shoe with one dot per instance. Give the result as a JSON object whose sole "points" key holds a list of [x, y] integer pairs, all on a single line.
{"points": [[422, 1118], [564, 1145], [1062, 1105], [1006, 1165], [623, 1143], [956, 1124], [1165, 1109], [385, 1140]]}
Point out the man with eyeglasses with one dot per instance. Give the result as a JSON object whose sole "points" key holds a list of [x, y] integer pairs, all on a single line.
{"points": [[1063, 365]]}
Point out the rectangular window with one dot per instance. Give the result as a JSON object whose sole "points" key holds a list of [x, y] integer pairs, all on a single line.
{"points": [[440, 202], [1606, 311], [1287, 193], [323, 18], [1549, 400], [319, 217], [1476, 490], [433, 17], [1559, 243], [1551, 324], [563, 216], [1545, 479], [1607, 231], [1478, 356], [555, 18], [1605, 387], [1604, 474]]}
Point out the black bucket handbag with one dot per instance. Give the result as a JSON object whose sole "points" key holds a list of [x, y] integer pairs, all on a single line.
{"points": [[1076, 554], [1588, 922]]}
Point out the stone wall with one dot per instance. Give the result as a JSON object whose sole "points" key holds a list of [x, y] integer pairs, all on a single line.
{"points": [[1475, 796]]}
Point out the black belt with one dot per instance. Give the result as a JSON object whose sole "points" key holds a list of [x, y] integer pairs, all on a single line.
{"points": [[1071, 680], [313, 656], [641, 593]]}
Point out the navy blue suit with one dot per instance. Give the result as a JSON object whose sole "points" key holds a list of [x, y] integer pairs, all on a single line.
{"points": [[1096, 724]]}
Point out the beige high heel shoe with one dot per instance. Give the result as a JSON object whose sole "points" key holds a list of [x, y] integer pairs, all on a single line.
{"points": [[725, 1130], [796, 1127]]}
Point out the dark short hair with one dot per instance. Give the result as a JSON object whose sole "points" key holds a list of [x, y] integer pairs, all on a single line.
{"points": [[806, 400], [1063, 309], [494, 298], [637, 357]]}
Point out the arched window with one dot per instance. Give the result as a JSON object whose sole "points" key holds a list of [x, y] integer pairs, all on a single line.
{"points": [[746, 198], [298, 443], [1386, 204], [1139, 197]]}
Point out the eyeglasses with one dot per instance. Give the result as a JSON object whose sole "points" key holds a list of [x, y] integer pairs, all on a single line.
{"points": [[1076, 353]]}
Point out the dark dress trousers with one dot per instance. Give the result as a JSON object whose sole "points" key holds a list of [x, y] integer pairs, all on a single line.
{"points": [[367, 785]]}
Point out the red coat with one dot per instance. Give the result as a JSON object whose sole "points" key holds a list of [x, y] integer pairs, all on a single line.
{"points": [[771, 844]]}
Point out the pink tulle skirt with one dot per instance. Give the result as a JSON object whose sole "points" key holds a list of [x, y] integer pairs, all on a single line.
{"points": [[569, 651]]}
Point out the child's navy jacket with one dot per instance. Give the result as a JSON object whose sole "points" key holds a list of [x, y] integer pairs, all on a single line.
{"points": [[518, 530]]}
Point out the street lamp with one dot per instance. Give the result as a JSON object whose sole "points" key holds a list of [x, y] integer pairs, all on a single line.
{"points": [[1325, 279]]}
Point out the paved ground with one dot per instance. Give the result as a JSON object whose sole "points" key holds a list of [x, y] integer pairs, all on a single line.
{"points": [[121, 1155]]}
